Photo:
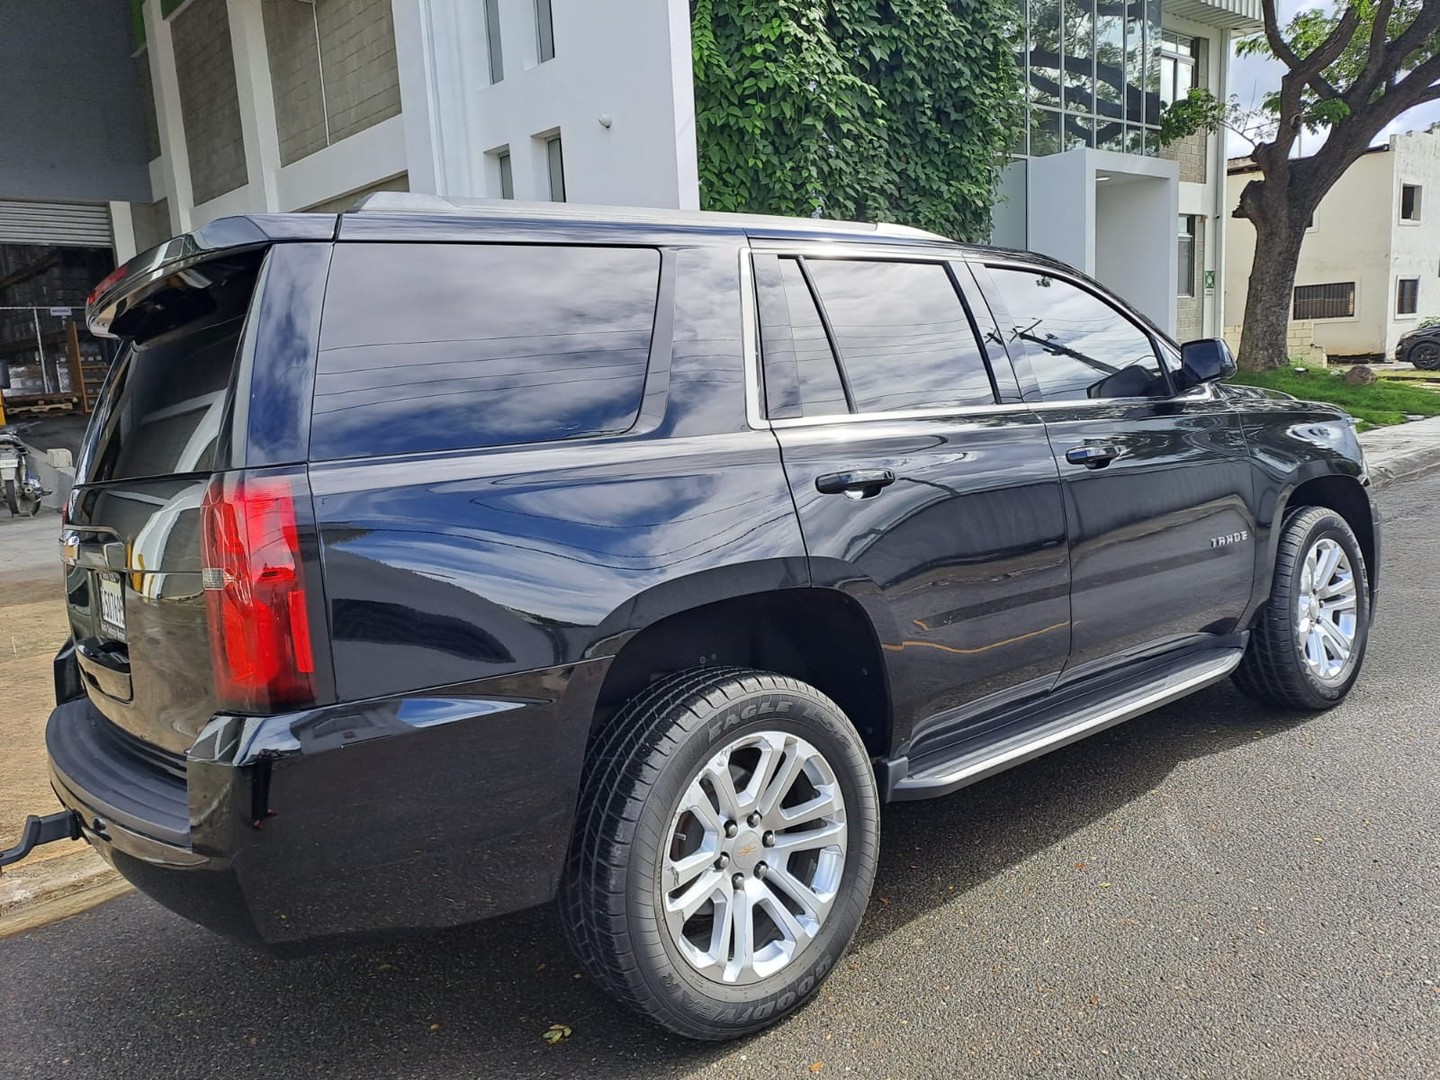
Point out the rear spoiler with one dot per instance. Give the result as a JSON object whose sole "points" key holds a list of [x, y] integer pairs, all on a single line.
{"points": [[147, 273]]}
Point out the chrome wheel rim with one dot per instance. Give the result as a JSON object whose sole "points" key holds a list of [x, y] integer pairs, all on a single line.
{"points": [[753, 857], [1326, 617]]}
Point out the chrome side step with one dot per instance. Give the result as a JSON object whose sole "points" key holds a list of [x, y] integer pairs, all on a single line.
{"points": [[977, 763]]}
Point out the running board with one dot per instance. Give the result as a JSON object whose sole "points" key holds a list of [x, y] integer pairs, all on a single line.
{"points": [[974, 764]]}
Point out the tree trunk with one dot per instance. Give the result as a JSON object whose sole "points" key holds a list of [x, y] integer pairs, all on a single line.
{"points": [[1272, 282]]}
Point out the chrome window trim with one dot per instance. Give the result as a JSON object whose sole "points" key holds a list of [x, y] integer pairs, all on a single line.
{"points": [[749, 337]]}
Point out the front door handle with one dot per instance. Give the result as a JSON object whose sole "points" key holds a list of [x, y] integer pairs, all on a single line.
{"points": [[1094, 456], [856, 483]]}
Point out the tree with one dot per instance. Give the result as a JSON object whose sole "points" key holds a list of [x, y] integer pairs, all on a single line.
{"points": [[1353, 73], [880, 110]]}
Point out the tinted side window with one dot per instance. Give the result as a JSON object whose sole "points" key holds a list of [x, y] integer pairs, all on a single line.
{"points": [[1078, 345], [801, 376], [904, 338], [450, 346]]}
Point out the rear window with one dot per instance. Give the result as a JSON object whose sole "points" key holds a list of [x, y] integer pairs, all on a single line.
{"points": [[444, 347], [163, 411]]}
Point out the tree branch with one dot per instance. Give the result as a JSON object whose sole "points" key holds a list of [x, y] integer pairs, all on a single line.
{"points": [[1278, 45]]}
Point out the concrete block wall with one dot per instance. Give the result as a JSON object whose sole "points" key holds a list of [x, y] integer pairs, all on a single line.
{"points": [[362, 80], [295, 78], [1300, 344], [349, 84], [1191, 152], [209, 101]]}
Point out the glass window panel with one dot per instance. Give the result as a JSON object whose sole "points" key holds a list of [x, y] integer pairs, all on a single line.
{"points": [[1044, 132], [794, 346], [1110, 59], [1078, 132], [904, 337], [1152, 67], [1110, 135], [1079, 345], [1043, 69], [480, 345], [555, 161], [1080, 56], [492, 40], [1134, 60]]}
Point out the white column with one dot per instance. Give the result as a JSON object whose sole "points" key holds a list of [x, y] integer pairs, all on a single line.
{"points": [[682, 69], [1221, 221], [122, 232], [257, 101], [174, 155]]}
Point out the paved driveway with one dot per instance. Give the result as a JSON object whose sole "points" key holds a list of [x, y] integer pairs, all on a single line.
{"points": [[1210, 891]]}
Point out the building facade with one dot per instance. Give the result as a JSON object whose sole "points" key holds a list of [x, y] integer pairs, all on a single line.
{"points": [[1369, 266], [240, 106], [1089, 182]]}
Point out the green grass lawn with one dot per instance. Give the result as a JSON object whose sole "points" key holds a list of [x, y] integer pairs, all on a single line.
{"points": [[1382, 403]]}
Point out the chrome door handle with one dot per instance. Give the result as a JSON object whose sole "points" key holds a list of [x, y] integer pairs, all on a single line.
{"points": [[857, 483], [1094, 456]]}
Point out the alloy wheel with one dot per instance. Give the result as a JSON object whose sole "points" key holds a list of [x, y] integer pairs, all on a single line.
{"points": [[1326, 619], [755, 853]]}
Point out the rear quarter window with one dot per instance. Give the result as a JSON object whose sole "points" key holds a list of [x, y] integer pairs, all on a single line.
{"points": [[446, 347]]}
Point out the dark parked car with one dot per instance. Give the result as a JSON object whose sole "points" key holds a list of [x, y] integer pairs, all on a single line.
{"points": [[1420, 347], [437, 560]]}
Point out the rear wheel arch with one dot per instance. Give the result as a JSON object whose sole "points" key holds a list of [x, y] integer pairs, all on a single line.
{"points": [[822, 637]]}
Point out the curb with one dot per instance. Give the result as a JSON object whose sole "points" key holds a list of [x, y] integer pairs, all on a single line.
{"points": [[1404, 467], [52, 889]]}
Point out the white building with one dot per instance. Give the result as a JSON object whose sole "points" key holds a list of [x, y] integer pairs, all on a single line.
{"points": [[1369, 266], [1090, 184], [240, 106]]}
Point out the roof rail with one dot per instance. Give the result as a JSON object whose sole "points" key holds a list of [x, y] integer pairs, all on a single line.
{"points": [[412, 202]]}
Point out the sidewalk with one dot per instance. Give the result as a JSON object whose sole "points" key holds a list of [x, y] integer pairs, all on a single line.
{"points": [[64, 879], [1399, 451]]}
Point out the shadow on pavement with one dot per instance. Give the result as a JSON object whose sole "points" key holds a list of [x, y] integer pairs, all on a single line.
{"points": [[166, 998]]}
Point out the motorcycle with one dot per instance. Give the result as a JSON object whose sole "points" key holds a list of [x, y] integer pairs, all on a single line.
{"points": [[23, 489]]}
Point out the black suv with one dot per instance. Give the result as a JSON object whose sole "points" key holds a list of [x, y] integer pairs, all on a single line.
{"points": [[437, 560]]}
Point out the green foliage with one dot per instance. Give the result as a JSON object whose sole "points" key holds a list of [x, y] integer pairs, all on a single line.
{"points": [[1381, 403], [880, 110], [1199, 110], [1309, 28]]}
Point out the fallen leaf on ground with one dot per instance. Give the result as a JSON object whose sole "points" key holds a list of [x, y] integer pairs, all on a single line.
{"points": [[557, 1033], [816, 1066]]}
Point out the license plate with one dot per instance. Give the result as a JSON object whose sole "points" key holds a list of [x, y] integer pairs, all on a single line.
{"points": [[112, 607]]}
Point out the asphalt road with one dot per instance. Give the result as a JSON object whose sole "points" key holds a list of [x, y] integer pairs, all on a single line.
{"points": [[1210, 891]]}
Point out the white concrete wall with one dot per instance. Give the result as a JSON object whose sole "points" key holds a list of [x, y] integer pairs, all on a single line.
{"points": [[619, 92], [1113, 216], [627, 61], [1351, 241]]}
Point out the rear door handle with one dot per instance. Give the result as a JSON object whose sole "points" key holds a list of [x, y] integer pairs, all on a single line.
{"points": [[1095, 456], [857, 483]]}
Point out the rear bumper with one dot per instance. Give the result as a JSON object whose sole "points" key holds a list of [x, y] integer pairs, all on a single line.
{"points": [[392, 815]]}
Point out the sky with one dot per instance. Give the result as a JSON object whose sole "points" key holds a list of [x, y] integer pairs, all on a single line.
{"points": [[1252, 77]]}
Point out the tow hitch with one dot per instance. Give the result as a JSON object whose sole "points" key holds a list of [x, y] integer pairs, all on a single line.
{"points": [[42, 830]]}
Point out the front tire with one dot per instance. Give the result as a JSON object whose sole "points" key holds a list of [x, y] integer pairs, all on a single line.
{"points": [[10, 499], [724, 850], [1425, 355], [1309, 639]]}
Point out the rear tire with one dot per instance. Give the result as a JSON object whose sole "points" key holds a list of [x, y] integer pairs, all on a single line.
{"points": [[1308, 642], [724, 850]]}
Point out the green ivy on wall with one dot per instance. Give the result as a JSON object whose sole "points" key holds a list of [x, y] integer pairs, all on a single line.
{"points": [[879, 110]]}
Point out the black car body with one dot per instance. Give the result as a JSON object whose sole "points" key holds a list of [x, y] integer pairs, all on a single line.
{"points": [[382, 516], [1420, 347]]}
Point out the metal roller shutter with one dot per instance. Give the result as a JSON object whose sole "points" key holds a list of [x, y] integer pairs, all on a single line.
{"points": [[68, 224]]}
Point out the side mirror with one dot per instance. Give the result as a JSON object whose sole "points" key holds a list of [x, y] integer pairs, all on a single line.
{"points": [[1204, 361]]}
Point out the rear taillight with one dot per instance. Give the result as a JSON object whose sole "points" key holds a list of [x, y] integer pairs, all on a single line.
{"points": [[255, 594]]}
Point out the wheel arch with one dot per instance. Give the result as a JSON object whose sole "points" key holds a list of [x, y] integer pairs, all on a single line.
{"points": [[820, 636], [1348, 497]]}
